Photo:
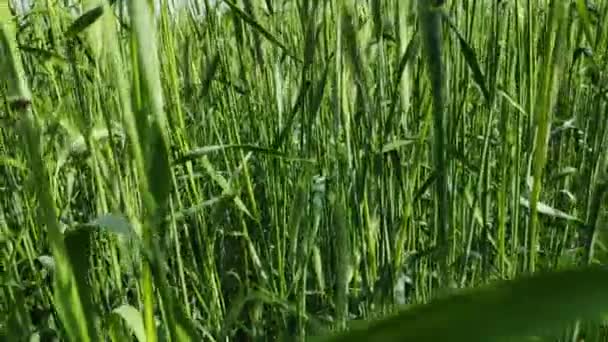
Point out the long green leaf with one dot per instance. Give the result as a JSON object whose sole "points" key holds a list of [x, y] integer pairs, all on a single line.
{"points": [[511, 309]]}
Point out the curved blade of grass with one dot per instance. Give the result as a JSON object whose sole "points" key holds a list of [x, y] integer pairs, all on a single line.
{"points": [[188, 212], [510, 309], [549, 211], [512, 102], [133, 319], [225, 185], [471, 58], [205, 150], [397, 144], [239, 12]]}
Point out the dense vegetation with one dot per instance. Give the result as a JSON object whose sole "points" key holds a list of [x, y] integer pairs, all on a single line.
{"points": [[278, 169]]}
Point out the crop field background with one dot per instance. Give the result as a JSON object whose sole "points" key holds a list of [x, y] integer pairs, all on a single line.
{"points": [[274, 170]]}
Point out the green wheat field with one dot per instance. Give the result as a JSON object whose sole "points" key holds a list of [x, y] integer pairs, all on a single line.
{"points": [[304, 170]]}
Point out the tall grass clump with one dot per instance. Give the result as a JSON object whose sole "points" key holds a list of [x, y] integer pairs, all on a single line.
{"points": [[303, 170]]}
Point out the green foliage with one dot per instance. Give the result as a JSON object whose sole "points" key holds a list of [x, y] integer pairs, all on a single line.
{"points": [[259, 170]]}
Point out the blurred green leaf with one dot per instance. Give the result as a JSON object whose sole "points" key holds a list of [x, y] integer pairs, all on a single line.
{"points": [[530, 305]]}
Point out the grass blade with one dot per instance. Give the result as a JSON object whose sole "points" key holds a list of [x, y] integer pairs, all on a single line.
{"points": [[132, 317]]}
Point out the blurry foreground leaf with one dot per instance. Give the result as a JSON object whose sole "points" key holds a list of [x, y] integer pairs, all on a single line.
{"points": [[530, 305]]}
